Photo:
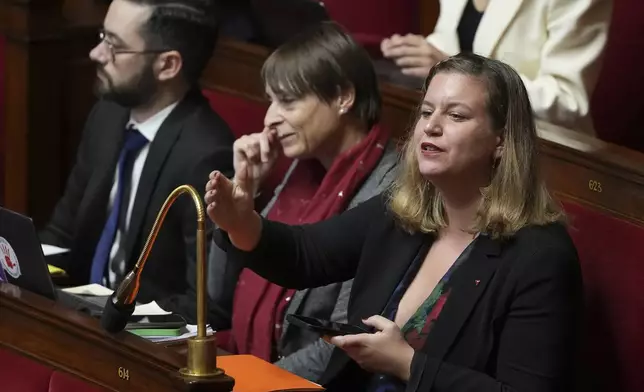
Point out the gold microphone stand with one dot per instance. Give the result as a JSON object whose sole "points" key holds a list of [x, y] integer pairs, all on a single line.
{"points": [[202, 349]]}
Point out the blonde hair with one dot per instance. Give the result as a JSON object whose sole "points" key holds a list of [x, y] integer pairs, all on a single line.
{"points": [[516, 196]]}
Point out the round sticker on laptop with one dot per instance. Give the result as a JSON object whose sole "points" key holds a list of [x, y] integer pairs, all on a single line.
{"points": [[8, 259]]}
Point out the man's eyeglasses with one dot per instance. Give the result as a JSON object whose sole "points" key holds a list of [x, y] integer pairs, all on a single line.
{"points": [[102, 36]]}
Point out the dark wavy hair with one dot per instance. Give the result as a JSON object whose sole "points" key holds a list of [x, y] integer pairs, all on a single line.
{"points": [[187, 26]]}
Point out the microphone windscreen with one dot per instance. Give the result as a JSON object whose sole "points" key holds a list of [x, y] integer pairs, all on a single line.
{"points": [[115, 317]]}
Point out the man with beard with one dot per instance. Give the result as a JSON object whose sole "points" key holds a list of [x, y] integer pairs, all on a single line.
{"points": [[151, 131]]}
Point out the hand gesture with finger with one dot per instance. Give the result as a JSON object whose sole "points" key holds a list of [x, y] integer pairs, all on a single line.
{"points": [[230, 204], [259, 152]]}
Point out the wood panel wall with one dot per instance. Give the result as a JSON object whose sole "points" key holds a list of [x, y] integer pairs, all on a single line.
{"points": [[47, 96]]}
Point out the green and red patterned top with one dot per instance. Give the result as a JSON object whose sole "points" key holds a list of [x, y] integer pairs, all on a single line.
{"points": [[418, 327]]}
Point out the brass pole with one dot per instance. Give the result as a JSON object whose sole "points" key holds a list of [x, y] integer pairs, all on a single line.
{"points": [[202, 349], [201, 279]]}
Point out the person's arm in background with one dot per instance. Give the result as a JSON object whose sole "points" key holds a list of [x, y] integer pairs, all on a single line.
{"points": [[416, 54], [412, 54], [311, 361], [577, 33]]}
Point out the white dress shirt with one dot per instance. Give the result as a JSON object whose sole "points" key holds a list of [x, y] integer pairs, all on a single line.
{"points": [[148, 129]]}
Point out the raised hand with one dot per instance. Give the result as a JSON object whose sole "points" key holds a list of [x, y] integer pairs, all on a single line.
{"points": [[258, 151], [230, 205], [412, 53]]}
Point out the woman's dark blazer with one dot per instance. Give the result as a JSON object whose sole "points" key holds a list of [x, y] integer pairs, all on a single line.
{"points": [[508, 325]]}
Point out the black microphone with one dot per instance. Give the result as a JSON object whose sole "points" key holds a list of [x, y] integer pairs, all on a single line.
{"points": [[116, 315], [120, 305]]}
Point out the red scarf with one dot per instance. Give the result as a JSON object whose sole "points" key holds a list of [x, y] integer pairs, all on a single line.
{"points": [[309, 196]]}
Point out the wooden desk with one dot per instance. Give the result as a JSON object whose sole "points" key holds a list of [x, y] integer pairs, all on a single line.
{"points": [[63, 339]]}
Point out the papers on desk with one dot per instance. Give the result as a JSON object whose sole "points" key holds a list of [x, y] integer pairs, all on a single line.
{"points": [[93, 289], [150, 309], [53, 270], [96, 290], [186, 332], [51, 250]]}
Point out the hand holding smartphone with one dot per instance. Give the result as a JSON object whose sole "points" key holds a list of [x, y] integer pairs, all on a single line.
{"points": [[324, 327]]}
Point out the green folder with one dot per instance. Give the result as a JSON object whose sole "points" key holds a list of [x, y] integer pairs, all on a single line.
{"points": [[156, 331]]}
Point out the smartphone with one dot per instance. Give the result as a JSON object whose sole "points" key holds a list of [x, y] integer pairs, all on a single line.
{"points": [[169, 321], [324, 327]]}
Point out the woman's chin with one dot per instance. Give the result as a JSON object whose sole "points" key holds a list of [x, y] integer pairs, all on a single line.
{"points": [[293, 151], [430, 172]]}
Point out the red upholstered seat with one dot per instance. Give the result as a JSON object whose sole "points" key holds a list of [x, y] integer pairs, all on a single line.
{"points": [[375, 17], [618, 99], [225, 341], [612, 258], [370, 21], [18, 373], [63, 382], [243, 116]]}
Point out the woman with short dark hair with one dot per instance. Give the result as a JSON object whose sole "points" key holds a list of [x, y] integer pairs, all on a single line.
{"points": [[324, 114], [464, 270]]}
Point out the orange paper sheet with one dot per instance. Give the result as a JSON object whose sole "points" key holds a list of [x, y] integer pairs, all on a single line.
{"points": [[252, 374]]}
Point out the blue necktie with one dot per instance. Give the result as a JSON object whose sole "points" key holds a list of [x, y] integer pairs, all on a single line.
{"points": [[134, 142]]}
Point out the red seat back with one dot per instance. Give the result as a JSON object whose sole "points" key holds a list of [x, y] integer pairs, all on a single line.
{"points": [[63, 382], [370, 21], [18, 373], [611, 252], [243, 116], [619, 97]]}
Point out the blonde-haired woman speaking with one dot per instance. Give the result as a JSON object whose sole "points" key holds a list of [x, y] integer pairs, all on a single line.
{"points": [[463, 271]]}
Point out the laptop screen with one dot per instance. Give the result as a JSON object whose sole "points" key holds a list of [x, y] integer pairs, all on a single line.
{"points": [[3, 277], [21, 256]]}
